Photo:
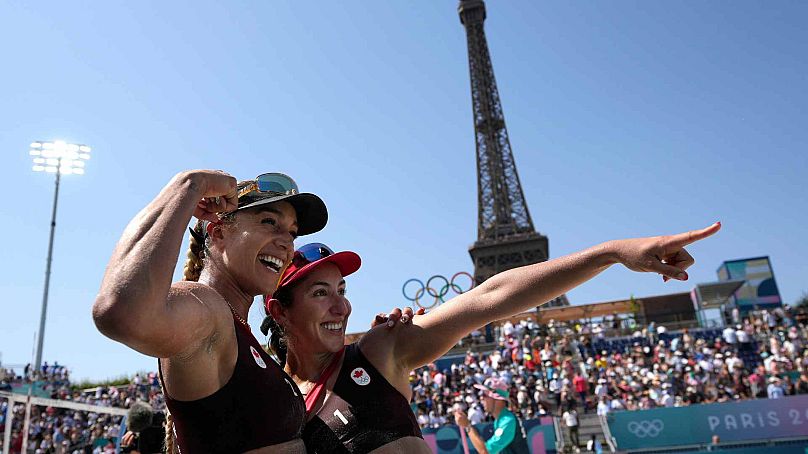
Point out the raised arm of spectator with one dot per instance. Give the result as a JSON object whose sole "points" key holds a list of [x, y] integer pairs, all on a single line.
{"points": [[514, 291], [137, 304]]}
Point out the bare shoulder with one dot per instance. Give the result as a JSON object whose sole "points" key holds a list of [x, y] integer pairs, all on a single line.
{"points": [[200, 299], [203, 293]]}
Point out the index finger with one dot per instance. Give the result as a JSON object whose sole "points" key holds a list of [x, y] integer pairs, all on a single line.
{"points": [[683, 239]]}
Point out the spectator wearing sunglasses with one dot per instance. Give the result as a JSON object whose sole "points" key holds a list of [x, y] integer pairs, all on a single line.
{"points": [[223, 391], [358, 395]]}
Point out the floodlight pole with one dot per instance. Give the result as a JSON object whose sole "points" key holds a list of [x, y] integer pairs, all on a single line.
{"points": [[41, 334]]}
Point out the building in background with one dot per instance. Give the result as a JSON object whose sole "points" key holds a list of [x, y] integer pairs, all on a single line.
{"points": [[759, 291]]}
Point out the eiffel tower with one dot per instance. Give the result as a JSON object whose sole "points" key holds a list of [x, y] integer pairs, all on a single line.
{"points": [[506, 237]]}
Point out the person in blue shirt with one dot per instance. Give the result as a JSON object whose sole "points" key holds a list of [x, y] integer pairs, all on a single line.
{"points": [[775, 389], [509, 436]]}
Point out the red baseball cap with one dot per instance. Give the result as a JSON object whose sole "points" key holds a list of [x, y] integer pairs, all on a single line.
{"points": [[307, 258]]}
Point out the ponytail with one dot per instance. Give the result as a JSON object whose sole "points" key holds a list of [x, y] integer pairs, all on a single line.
{"points": [[196, 253], [170, 443]]}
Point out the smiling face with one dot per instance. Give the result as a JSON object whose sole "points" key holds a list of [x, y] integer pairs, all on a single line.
{"points": [[319, 313], [256, 246]]}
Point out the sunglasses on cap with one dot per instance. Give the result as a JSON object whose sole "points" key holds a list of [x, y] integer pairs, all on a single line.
{"points": [[270, 183], [310, 253]]}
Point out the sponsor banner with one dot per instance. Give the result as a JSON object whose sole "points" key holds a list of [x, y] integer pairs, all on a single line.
{"points": [[446, 440], [733, 421]]}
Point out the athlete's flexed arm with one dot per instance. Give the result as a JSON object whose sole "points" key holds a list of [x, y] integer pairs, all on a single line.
{"points": [[136, 304], [514, 291]]}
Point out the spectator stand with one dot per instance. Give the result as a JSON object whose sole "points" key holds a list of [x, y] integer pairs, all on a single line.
{"points": [[16, 400]]}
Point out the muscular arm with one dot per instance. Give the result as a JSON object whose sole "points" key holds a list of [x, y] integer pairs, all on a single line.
{"points": [[137, 304], [519, 289]]}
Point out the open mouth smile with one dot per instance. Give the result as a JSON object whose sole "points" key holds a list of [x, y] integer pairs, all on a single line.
{"points": [[332, 326], [272, 263]]}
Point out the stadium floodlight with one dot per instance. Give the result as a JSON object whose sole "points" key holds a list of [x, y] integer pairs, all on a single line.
{"points": [[60, 158]]}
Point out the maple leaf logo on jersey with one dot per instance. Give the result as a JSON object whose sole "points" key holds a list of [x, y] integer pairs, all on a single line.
{"points": [[360, 376], [257, 358]]}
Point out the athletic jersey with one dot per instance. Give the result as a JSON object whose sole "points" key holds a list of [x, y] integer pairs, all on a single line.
{"points": [[259, 406], [509, 436], [363, 412]]}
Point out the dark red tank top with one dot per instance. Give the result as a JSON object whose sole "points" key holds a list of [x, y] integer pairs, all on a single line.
{"points": [[259, 406], [363, 412]]}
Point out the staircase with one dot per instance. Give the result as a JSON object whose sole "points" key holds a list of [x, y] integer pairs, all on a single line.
{"points": [[588, 425]]}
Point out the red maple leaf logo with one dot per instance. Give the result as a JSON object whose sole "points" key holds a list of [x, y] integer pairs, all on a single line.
{"points": [[358, 373]]}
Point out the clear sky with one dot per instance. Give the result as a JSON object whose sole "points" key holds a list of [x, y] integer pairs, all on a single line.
{"points": [[626, 118]]}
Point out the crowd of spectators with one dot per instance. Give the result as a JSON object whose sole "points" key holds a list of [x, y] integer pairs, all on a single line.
{"points": [[59, 430], [560, 366], [550, 368]]}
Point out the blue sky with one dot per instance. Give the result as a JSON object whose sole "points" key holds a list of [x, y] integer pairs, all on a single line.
{"points": [[626, 118]]}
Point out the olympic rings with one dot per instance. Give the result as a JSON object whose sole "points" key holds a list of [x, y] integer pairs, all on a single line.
{"points": [[644, 429], [437, 292]]}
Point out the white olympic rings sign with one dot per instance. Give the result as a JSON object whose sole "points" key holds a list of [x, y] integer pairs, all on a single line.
{"points": [[643, 429]]}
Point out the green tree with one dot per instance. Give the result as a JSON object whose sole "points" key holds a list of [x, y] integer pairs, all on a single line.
{"points": [[802, 301]]}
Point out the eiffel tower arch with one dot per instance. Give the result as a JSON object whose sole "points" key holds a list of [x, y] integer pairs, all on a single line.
{"points": [[506, 237]]}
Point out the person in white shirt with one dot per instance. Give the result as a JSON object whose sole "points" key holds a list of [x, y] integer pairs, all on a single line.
{"points": [[570, 418], [601, 389], [594, 445], [507, 329], [495, 358], [729, 335], [775, 388], [733, 362], [426, 379], [666, 400], [718, 362], [538, 394], [603, 407]]}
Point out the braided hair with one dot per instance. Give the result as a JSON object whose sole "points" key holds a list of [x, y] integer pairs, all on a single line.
{"points": [[277, 338], [191, 272], [197, 248], [196, 253]]}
